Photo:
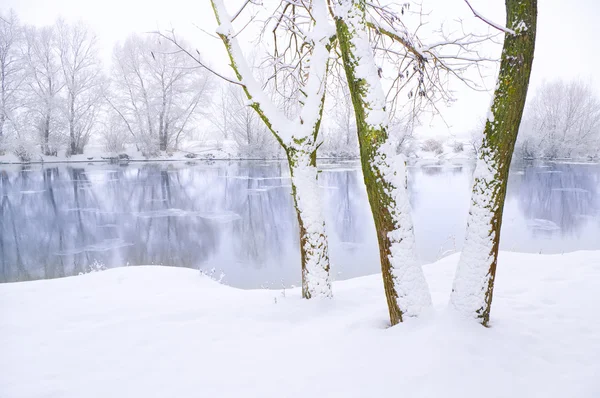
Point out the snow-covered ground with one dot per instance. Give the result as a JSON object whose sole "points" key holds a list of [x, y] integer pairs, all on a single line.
{"points": [[96, 153], [171, 332]]}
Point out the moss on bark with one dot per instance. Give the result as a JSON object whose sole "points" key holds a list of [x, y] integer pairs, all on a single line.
{"points": [[501, 129], [370, 140]]}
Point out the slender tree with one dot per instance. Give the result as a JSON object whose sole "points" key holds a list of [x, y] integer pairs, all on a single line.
{"points": [[297, 135], [384, 172], [474, 282], [11, 71], [84, 82], [44, 82]]}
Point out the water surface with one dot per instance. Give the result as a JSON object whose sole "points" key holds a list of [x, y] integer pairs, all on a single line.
{"points": [[235, 220]]}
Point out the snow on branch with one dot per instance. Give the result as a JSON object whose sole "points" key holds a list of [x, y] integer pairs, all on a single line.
{"points": [[487, 21], [263, 104], [306, 61]]}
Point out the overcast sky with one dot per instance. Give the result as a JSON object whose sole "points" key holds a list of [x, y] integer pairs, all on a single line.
{"points": [[567, 38]]}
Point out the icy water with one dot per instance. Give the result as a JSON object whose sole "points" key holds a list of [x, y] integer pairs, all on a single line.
{"points": [[235, 220]]}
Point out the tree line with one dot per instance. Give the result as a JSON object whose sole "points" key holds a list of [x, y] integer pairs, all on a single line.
{"points": [[56, 94]]}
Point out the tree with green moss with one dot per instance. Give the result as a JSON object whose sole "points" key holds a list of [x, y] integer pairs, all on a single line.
{"points": [[474, 282], [310, 36], [384, 172]]}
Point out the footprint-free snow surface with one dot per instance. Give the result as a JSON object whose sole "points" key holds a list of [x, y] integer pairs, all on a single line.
{"points": [[170, 332]]}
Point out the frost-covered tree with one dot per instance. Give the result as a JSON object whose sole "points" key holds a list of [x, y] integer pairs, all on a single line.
{"points": [[306, 24], [340, 137], [374, 36], [562, 120], [238, 122], [44, 83], [384, 171], [474, 282], [11, 73], [157, 91], [83, 79]]}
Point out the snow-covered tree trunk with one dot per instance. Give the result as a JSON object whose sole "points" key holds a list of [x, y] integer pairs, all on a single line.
{"points": [[384, 172], [297, 136], [314, 251], [474, 281]]}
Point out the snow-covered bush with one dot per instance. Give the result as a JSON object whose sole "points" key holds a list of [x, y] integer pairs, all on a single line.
{"points": [[458, 146], [433, 145], [23, 153]]}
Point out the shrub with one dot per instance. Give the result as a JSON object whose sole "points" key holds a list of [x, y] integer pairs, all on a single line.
{"points": [[458, 146], [433, 145]]}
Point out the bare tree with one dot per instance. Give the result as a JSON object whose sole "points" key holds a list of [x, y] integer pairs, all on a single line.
{"points": [[44, 82], [474, 282], [340, 138], [243, 125], [84, 83], [158, 91], [11, 72], [299, 75], [406, 290], [372, 36], [562, 120]]}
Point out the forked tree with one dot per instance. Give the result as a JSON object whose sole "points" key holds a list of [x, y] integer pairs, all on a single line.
{"points": [[309, 34], [474, 282], [371, 34]]}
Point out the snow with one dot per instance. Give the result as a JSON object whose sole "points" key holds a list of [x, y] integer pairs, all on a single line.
{"points": [[365, 68], [172, 332], [310, 209], [409, 281], [297, 134], [412, 292], [493, 24], [304, 124], [472, 275]]}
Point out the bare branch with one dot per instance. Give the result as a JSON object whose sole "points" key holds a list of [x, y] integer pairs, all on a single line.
{"points": [[487, 21]]}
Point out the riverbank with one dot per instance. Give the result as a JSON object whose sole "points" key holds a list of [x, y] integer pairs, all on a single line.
{"points": [[161, 331]]}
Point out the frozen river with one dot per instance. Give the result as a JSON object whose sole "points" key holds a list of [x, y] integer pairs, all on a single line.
{"points": [[235, 220]]}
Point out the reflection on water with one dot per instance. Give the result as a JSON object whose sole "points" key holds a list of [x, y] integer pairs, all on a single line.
{"points": [[235, 219]]}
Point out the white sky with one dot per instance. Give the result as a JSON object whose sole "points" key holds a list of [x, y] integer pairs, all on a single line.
{"points": [[566, 45]]}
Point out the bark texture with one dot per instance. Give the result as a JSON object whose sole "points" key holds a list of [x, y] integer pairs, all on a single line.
{"points": [[301, 154], [314, 249], [405, 286], [474, 283]]}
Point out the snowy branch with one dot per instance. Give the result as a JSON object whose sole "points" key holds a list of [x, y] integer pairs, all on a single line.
{"points": [[487, 21]]}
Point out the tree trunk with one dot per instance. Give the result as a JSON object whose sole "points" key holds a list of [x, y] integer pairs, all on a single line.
{"points": [[474, 282], [74, 150], [3, 110], [384, 172], [2, 120], [314, 251], [46, 134]]}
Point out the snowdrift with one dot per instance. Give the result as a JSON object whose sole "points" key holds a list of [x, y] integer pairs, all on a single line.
{"points": [[171, 332]]}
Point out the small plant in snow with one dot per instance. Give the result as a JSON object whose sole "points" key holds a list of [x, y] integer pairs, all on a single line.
{"points": [[212, 274], [95, 266]]}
